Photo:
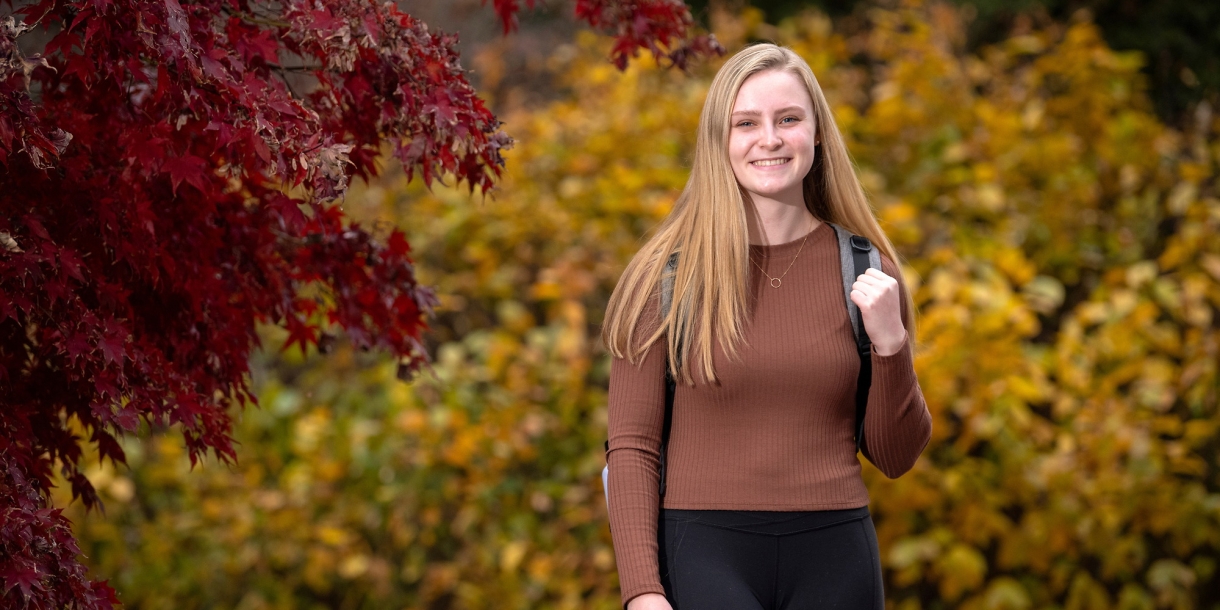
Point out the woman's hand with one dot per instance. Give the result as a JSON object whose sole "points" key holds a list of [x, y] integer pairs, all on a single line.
{"points": [[649, 601], [876, 294]]}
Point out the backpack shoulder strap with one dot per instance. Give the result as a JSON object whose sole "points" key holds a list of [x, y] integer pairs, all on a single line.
{"points": [[848, 254], [667, 297], [857, 255]]}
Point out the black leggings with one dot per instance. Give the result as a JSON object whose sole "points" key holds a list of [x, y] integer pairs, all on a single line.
{"points": [[766, 560]]}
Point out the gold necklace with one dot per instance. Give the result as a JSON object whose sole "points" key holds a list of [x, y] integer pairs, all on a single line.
{"points": [[776, 282]]}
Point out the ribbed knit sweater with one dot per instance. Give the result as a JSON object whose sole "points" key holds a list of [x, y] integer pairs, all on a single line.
{"points": [[776, 432]]}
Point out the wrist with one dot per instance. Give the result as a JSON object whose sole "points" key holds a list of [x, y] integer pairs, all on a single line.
{"points": [[890, 347], [646, 601]]}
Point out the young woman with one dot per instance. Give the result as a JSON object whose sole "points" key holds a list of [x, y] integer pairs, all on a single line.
{"points": [[764, 505]]}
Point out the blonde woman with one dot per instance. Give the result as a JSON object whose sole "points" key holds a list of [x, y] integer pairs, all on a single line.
{"points": [[764, 505]]}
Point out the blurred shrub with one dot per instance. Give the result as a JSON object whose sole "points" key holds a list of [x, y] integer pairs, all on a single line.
{"points": [[1063, 247]]}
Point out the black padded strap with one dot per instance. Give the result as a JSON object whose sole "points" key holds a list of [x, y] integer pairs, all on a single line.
{"points": [[860, 248], [667, 295], [670, 386]]}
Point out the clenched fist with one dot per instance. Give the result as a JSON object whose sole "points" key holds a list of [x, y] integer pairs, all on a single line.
{"points": [[877, 296]]}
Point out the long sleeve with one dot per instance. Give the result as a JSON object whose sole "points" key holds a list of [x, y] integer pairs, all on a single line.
{"points": [[897, 425], [636, 416]]}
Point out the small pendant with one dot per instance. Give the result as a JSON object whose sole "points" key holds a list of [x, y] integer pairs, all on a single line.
{"points": [[775, 283]]}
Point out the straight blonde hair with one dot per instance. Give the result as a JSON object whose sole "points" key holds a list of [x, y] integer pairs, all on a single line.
{"points": [[707, 228]]}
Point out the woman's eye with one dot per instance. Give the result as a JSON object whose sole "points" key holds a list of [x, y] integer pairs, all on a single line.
{"points": [[790, 117]]}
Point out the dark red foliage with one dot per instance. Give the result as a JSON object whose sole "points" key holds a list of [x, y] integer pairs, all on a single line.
{"points": [[661, 26], [167, 183], [38, 553]]}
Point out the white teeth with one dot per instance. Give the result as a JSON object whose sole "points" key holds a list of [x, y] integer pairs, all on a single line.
{"points": [[769, 162]]}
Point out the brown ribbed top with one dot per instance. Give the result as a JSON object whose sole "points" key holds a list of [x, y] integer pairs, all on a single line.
{"points": [[776, 432]]}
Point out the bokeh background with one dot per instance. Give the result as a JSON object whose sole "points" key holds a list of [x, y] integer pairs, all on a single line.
{"points": [[1050, 177]]}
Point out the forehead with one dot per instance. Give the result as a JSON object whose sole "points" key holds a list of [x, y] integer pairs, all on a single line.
{"points": [[769, 90]]}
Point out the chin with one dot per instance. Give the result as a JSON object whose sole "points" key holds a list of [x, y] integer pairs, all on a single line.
{"points": [[775, 193]]}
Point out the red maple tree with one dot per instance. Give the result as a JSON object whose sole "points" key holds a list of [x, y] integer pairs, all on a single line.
{"points": [[164, 187]]}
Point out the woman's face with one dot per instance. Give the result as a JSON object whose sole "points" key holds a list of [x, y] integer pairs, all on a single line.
{"points": [[772, 136]]}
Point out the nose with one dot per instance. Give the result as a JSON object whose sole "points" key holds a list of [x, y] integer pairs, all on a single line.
{"points": [[770, 137]]}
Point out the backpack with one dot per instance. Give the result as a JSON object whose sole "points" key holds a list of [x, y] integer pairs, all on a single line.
{"points": [[856, 255]]}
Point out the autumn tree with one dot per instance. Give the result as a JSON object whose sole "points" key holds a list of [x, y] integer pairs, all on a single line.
{"points": [[166, 184]]}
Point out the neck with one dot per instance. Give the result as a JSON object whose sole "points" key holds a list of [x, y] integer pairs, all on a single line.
{"points": [[777, 220]]}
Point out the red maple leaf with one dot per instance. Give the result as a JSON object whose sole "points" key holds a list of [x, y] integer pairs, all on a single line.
{"points": [[27, 579], [187, 167]]}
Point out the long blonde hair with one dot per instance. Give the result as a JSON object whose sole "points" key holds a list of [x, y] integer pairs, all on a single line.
{"points": [[707, 227]]}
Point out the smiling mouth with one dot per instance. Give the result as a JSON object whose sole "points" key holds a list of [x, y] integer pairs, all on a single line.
{"points": [[769, 162]]}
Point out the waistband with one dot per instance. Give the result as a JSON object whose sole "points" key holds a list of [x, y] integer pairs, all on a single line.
{"points": [[773, 523]]}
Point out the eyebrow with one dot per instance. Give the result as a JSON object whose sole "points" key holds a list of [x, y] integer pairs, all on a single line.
{"points": [[780, 111]]}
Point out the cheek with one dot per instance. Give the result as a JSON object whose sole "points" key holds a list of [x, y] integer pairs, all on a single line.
{"points": [[811, 149], [808, 138], [736, 150]]}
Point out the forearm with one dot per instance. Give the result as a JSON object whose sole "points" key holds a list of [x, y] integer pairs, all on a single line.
{"points": [[634, 509], [897, 424]]}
